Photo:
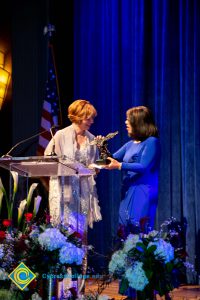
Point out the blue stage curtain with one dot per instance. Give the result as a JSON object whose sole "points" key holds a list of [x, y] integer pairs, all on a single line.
{"points": [[138, 52]]}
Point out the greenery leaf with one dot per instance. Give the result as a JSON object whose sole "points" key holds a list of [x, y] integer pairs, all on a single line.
{"points": [[151, 249], [124, 284]]}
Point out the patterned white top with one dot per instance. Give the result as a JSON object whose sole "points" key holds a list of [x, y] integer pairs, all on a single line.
{"points": [[73, 199]]}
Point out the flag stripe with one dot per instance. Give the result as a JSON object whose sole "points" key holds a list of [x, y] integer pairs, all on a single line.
{"points": [[45, 124], [50, 109]]}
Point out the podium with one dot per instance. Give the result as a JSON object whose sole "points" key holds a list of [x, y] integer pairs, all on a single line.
{"points": [[38, 166], [51, 166], [56, 167], [63, 170]]}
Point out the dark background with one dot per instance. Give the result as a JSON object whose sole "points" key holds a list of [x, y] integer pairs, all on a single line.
{"points": [[22, 28], [116, 54]]}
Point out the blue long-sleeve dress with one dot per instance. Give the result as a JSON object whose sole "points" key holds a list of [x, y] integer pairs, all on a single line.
{"points": [[140, 165]]}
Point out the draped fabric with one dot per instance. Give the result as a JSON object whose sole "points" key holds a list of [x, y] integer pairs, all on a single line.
{"points": [[137, 52]]}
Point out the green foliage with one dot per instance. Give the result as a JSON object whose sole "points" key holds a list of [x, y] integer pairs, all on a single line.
{"points": [[11, 295], [148, 262]]}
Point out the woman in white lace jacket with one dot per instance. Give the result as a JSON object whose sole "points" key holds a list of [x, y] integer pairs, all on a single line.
{"points": [[79, 206]]}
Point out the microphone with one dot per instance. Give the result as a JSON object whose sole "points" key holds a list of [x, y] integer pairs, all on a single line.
{"points": [[53, 153], [26, 140]]}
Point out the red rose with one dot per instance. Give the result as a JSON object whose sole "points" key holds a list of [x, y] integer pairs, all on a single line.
{"points": [[2, 235], [33, 284], [144, 223], [24, 237], [28, 217], [76, 234], [121, 231], [48, 218], [7, 222]]}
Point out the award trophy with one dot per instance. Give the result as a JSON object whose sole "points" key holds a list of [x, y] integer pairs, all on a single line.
{"points": [[102, 144]]}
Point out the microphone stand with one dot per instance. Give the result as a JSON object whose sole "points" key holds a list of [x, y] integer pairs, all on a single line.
{"points": [[53, 153], [26, 140]]}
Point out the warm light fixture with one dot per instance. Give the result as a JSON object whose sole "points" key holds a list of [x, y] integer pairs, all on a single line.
{"points": [[1, 59], [4, 79]]}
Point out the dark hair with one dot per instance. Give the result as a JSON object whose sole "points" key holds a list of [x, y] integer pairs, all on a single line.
{"points": [[142, 123]]}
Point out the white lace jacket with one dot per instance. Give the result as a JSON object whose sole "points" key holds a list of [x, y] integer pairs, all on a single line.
{"points": [[72, 199]]}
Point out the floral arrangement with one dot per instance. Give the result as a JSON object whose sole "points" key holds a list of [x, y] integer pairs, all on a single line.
{"points": [[150, 263], [44, 248]]}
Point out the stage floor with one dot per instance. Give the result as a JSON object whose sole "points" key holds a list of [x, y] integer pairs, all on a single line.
{"points": [[182, 293]]}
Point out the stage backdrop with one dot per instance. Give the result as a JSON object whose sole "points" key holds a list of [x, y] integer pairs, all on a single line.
{"points": [[137, 52]]}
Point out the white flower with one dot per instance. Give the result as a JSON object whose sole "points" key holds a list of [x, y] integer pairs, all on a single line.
{"points": [[163, 249], [30, 193], [2, 189], [37, 201], [118, 262], [21, 210], [70, 254], [1, 197], [131, 242], [36, 296], [52, 239], [15, 180], [1, 184], [137, 277], [153, 233]]}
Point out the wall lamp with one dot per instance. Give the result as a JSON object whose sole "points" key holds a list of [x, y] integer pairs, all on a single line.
{"points": [[4, 79]]}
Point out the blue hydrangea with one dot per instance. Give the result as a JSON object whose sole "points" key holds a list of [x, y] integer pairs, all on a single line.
{"points": [[131, 242], [136, 276], [118, 262], [1, 251], [70, 254], [52, 239], [163, 249]]}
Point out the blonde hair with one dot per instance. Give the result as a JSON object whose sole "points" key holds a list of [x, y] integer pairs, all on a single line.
{"points": [[80, 110]]}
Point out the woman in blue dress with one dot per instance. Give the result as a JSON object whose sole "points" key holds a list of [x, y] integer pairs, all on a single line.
{"points": [[139, 160]]}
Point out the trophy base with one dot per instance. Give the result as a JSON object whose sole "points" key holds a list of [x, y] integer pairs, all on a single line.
{"points": [[102, 162]]}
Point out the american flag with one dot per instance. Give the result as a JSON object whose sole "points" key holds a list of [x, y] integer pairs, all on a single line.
{"points": [[51, 108]]}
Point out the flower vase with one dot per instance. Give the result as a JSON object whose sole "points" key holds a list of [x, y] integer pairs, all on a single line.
{"points": [[66, 286], [51, 289]]}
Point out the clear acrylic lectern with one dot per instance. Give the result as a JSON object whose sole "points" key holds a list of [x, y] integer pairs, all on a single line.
{"points": [[65, 170], [38, 166]]}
